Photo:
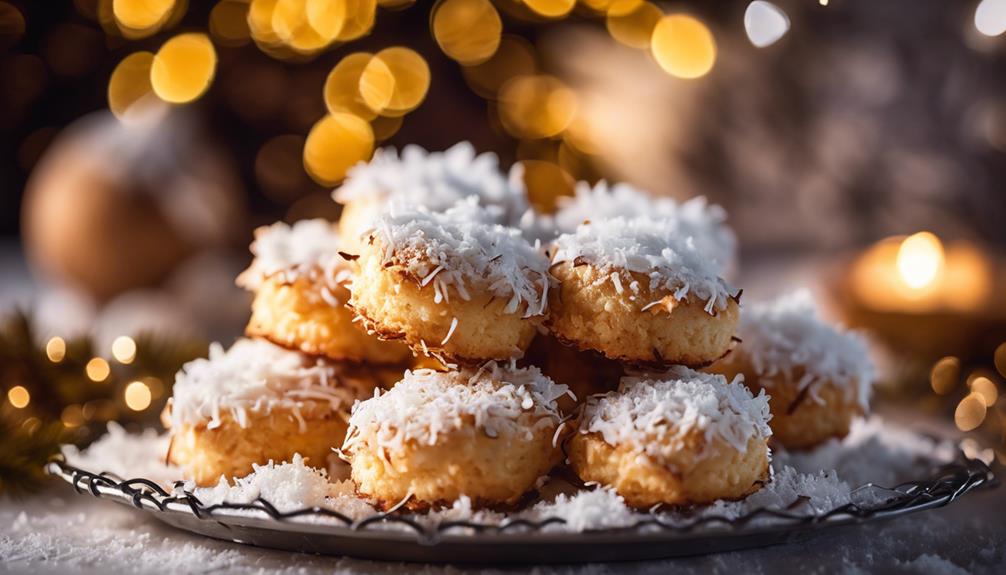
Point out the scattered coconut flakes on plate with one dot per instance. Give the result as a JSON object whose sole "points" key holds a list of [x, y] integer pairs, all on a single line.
{"points": [[127, 455], [308, 247], [455, 250], [786, 335], [651, 247]]}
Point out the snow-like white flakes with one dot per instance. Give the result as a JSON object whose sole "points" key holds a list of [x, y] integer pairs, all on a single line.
{"points": [[704, 223], [655, 413], [255, 376], [453, 251], [436, 181], [787, 335], [126, 455], [427, 403], [308, 247], [651, 247]]}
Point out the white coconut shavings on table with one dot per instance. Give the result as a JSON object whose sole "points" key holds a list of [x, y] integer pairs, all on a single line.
{"points": [[454, 251], [255, 376], [696, 218], [127, 455], [786, 335], [502, 401], [651, 247], [308, 247], [436, 181], [655, 414]]}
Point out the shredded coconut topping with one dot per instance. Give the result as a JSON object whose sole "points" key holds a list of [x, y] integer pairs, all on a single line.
{"points": [[655, 413], [499, 400], [453, 249], [308, 247], [695, 218], [647, 246], [256, 377], [436, 181], [786, 335]]}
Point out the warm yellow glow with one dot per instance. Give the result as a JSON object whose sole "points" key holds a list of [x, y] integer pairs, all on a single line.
{"points": [[342, 87], [183, 68], [386, 126], [550, 8], [130, 83], [683, 46], [545, 183], [97, 369], [468, 31], [986, 389], [55, 349], [229, 22], [336, 143], [622, 7], [395, 81], [359, 19], [634, 27], [945, 374], [290, 22], [72, 416], [514, 57], [141, 14], [536, 106], [823, 2], [326, 17], [18, 396], [970, 412], [920, 259], [1000, 359], [124, 349], [260, 21], [137, 396]]}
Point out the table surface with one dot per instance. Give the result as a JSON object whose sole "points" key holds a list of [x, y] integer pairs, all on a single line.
{"points": [[58, 531]]}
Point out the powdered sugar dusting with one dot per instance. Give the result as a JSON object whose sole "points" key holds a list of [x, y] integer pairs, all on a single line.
{"points": [[255, 376], [786, 334], [453, 250], [502, 400], [649, 246], [654, 414], [308, 247], [695, 218]]}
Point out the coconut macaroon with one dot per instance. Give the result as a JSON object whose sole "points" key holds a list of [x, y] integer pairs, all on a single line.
{"points": [[301, 288], [818, 375], [636, 291], [695, 218], [434, 180], [585, 373], [487, 433], [450, 285], [258, 402], [676, 438]]}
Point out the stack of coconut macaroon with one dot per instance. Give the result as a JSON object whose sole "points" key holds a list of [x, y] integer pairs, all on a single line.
{"points": [[446, 340]]}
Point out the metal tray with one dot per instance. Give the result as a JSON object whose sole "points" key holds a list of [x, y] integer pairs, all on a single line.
{"points": [[316, 530]]}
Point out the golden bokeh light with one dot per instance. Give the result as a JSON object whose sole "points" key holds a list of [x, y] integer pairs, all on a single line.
{"points": [[18, 396], [183, 68], [386, 126], [468, 31], [342, 87], [920, 259], [124, 349], [229, 23], [1000, 359], [536, 106], [514, 57], [12, 24], [291, 24], [72, 416], [683, 46], [545, 183], [360, 16], [55, 349], [130, 83], [97, 369], [395, 81], [327, 17], [622, 7], [142, 14], [336, 143], [945, 374], [970, 412], [986, 389], [260, 22], [137, 396], [550, 8], [634, 27]]}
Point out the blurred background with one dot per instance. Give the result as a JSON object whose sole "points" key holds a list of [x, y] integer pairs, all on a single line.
{"points": [[858, 146]]}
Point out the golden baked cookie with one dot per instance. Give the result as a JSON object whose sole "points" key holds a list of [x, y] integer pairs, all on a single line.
{"points": [[676, 438]]}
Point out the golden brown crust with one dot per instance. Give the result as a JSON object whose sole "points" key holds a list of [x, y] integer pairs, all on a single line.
{"points": [[298, 316], [589, 313], [586, 373], [720, 472]]}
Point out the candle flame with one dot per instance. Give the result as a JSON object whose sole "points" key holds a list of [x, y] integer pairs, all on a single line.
{"points": [[920, 259]]}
